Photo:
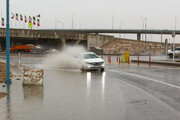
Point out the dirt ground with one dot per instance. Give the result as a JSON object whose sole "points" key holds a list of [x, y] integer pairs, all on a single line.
{"points": [[3, 72], [3, 77], [2, 94]]}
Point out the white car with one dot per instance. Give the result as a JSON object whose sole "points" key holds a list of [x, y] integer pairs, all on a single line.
{"points": [[176, 52], [92, 62]]}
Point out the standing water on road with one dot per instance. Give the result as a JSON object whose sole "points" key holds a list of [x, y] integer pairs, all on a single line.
{"points": [[64, 59]]}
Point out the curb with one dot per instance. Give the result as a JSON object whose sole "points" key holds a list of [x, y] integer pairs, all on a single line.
{"points": [[158, 62]]}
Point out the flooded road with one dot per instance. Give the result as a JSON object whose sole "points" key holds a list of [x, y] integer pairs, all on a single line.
{"points": [[122, 92]]}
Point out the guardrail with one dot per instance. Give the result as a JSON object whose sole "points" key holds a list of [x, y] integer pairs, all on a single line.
{"points": [[138, 59]]}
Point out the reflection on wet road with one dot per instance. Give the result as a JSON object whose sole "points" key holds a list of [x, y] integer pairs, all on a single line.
{"points": [[120, 93]]}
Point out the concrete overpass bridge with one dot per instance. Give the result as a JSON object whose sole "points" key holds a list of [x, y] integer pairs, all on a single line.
{"points": [[61, 37], [53, 38], [125, 31]]}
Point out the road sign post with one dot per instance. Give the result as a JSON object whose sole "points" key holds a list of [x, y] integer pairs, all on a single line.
{"points": [[8, 80]]}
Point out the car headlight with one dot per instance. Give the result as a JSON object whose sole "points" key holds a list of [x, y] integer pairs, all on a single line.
{"points": [[88, 63]]}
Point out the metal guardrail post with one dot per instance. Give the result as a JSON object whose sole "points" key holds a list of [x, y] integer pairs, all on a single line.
{"points": [[149, 61]]}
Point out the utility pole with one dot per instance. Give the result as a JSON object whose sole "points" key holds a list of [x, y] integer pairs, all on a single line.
{"points": [[8, 80]]}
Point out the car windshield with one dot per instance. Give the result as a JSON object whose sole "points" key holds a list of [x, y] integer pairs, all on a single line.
{"points": [[177, 49], [90, 56]]}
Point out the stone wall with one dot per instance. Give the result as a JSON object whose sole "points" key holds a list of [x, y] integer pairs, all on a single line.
{"points": [[120, 46], [96, 40]]}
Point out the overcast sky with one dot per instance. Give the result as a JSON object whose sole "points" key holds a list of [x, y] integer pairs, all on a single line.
{"points": [[160, 14]]}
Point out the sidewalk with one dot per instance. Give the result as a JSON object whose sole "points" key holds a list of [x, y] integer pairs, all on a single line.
{"points": [[163, 62]]}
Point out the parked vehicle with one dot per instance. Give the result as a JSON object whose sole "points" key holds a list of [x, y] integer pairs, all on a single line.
{"points": [[176, 52]]}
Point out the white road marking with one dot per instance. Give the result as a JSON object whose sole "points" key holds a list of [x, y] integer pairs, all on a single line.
{"points": [[150, 79]]}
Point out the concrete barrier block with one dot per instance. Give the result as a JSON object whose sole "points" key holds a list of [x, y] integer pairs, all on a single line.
{"points": [[33, 76]]}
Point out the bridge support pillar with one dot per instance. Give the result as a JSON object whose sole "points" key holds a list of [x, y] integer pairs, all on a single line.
{"points": [[139, 36], [64, 42], [77, 42]]}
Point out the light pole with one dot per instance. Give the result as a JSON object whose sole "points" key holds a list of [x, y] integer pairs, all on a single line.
{"points": [[145, 27], [8, 80], [61, 23], [80, 26], [112, 21], [174, 35], [120, 26], [73, 20]]}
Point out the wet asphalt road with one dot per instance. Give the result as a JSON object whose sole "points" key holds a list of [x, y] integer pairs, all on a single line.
{"points": [[122, 92]]}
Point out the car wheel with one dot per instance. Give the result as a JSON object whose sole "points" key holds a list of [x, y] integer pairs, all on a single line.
{"points": [[171, 55], [102, 69]]}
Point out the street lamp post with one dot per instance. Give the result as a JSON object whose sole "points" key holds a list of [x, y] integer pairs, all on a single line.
{"points": [[174, 35], [73, 20], [8, 80], [112, 21], [120, 26], [61, 24], [145, 27]]}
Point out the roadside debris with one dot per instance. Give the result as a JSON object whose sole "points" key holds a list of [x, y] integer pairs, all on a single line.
{"points": [[33, 76], [17, 77], [2, 94]]}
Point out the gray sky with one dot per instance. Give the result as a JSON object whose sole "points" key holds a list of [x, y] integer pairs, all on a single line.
{"points": [[160, 14]]}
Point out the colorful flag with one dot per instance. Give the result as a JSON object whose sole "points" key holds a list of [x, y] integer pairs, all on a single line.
{"points": [[38, 16], [25, 19], [21, 17], [30, 19], [38, 22], [30, 25], [17, 16], [2, 21], [12, 17], [34, 21]]}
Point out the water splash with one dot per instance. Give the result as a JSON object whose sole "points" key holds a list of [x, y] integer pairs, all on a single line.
{"points": [[65, 59]]}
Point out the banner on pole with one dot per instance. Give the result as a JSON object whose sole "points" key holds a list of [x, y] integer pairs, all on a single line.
{"points": [[30, 25], [21, 17], [38, 16], [38, 22], [30, 19], [34, 21], [2, 21], [25, 19], [17, 16], [12, 17]]}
